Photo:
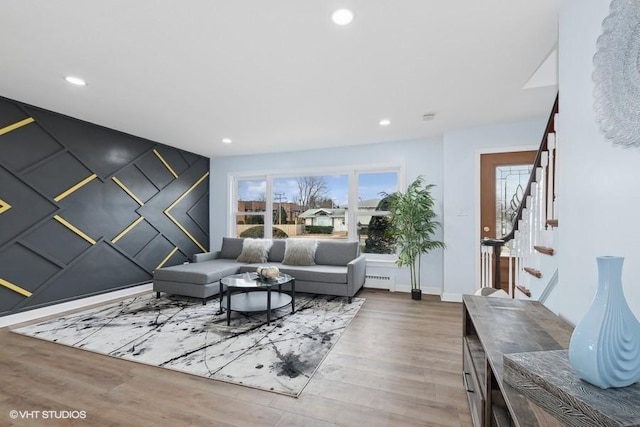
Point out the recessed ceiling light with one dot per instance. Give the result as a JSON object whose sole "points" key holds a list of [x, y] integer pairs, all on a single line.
{"points": [[75, 81], [384, 122], [342, 17], [226, 140]]}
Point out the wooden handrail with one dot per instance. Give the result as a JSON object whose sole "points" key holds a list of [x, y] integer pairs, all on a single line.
{"points": [[537, 163]]}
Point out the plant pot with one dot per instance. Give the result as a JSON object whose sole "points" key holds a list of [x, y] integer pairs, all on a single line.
{"points": [[416, 294]]}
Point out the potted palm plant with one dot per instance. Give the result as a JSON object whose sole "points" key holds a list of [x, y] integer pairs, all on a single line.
{"points": [[412, 225]]}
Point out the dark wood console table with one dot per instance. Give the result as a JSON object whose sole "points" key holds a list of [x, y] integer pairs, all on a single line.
{"points": [[493, 327]]}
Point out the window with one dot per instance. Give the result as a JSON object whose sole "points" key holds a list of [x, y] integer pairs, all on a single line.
{"points": [[373, 210], [345, 205], [251, 205], [313, 206], [511, 180]]}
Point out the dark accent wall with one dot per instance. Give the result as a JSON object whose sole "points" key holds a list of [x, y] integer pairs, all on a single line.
{"points": [[86, 210]]}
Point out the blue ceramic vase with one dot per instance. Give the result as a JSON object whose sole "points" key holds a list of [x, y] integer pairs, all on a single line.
{"points": [[605, 345]]}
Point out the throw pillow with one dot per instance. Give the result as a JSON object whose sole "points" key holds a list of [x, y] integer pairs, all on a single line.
{"points": [[255, 250], [300, 252]]}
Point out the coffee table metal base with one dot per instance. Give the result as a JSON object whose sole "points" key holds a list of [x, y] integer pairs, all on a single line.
{"points": [[253, 301], [256, 301]]}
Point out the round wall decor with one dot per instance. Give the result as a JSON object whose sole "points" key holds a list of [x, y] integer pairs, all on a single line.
{"points": [[616, 74]]}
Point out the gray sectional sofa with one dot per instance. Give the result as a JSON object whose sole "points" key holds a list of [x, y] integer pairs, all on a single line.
{"points": [[339, 270]]}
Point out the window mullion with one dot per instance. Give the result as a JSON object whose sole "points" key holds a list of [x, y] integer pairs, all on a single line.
{"points": [[268, 215], [352, 226]]}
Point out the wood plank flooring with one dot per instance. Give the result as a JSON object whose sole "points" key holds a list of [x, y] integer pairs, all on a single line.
{"points": [[397, 364]]}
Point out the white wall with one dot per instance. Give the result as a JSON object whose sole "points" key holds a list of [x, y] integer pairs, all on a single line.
{"points": [[599, 184], [461, 154], [422, 157]]}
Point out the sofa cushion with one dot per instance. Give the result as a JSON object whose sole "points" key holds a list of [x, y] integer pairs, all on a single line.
{"points": [[255, 250], [231, 247], [317, 273], [300, 252], [306, 273], [336, 252], [199, 273], [276, 253]]}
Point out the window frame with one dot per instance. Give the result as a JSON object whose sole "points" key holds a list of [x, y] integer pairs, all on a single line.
{"points": [[352, 211]]}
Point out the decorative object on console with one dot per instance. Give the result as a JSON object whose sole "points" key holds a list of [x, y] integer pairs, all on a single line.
{"points": [[300, 251], [412, 225], [269, 273], [255, 250], [605, 345], [616, 74]]}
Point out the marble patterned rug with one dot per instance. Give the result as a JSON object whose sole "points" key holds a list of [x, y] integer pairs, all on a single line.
{"points": [[184, 335]]}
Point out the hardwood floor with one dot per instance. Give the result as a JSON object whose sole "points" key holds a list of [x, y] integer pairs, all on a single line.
{"points": [[398, 364]]}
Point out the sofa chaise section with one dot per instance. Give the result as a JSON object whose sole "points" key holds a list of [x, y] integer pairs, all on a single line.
{"points": [[198, 280]]}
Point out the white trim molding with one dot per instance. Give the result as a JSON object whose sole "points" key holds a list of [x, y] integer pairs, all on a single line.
{"points": [[451, 297], [39, 313]]}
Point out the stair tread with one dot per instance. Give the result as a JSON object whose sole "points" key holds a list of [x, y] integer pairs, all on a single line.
{"points": [[544, 250], [524, 290], [533, 272]]}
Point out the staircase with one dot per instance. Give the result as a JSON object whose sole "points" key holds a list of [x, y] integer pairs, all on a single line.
{"points": [[533, 265]]}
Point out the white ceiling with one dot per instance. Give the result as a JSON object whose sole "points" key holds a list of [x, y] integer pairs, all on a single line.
{"points": [[278, 75]]}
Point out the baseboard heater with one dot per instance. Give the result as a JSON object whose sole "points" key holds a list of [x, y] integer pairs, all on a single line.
{"points": [[378, 281]]}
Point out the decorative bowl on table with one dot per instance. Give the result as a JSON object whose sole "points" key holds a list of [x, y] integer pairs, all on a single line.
{"points": [[268, 273]]}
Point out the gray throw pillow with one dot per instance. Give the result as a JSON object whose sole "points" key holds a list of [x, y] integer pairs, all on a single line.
{"points": [[255, 250], [300, 252]]}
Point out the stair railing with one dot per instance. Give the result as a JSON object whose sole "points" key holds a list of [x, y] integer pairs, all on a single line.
{"points": [[537, 211]]}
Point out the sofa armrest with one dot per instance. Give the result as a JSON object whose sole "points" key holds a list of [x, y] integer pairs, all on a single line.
{"points": [[356, 270], [206, 256]]}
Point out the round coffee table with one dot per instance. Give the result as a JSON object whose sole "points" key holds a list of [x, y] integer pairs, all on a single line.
{"points": [[252, 293]]}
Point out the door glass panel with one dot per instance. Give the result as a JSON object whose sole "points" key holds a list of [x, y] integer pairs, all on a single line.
{"points": [[511, 182]]}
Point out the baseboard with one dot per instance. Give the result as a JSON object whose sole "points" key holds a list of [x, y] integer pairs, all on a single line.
{"points": [[450, 297], [429, 290], [38, 313]]}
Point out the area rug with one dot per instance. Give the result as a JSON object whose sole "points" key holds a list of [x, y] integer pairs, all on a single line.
{"points": [[184, 335]]}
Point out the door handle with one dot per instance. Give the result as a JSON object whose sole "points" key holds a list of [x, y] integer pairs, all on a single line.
{"points": [[486, 229], [466, 382]]}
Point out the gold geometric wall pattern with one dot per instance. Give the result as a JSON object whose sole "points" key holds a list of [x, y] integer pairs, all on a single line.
{"points": [[74, 229], [173, 204], [16, 125], [4, 206], [167, 258], [165, 163], [91, 208], [167, 211], [67, 193], [75, 187], [15, 288], [137, 200]]}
